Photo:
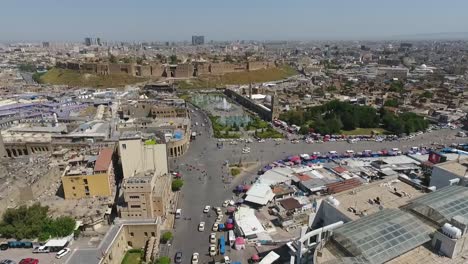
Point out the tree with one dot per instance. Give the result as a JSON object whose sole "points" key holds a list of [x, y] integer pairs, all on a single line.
{"points": [[427, 94], [112, 59], [27, 67], [177, 184], [163, 260], [34, 222], [166, 237], [127, 60], [173, 59], [228, 58], [391, 103], [139, 60]]}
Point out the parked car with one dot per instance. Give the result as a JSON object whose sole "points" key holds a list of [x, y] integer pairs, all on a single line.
{"points": [[178, 257], [227, 260], [7, 261], [41, 249], [201, 226], [29, 261], [219, 218], [62, 253], [213, 238], [207, 209], [218, 211], [215, 227], [195, 258], [212, 250]]}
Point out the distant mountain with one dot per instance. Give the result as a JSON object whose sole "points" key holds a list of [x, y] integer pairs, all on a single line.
{"points": [[434, 36]]}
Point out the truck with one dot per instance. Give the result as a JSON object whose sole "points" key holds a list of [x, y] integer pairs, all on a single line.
{"points": [[222, 245], [16, 244]]}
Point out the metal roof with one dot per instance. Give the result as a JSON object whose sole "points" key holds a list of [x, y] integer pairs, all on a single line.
{"points": [[443, 204], [382, 236]]}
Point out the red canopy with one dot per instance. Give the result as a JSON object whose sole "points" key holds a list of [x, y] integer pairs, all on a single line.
{"points": [[240, 241], [229, 226], [255, 257]]}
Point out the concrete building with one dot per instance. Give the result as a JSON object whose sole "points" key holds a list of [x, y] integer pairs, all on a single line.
{"points": [[145, 196], [89, 176], [198, 40], [122, 236], [450, 172], [400, 73], [140, 153]]}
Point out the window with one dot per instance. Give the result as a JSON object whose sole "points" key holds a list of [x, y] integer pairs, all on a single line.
{"points": [[131, 234], [153, 234], [85, 181], [146, 233], [73, 187], [135, 206], [134, 197], [124, 146]]}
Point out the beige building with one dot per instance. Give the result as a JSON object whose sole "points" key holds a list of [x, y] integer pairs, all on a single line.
{"points": [[145, 196], [140, 154], [89, 176], [122, 236]]}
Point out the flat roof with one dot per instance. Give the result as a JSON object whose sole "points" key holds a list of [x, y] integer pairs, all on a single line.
{"points": [[382, 236], [358, 198], [456, 167], [247, 221], [443, 204]]}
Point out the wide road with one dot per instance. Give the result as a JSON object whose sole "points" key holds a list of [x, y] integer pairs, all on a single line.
{"points": [[203, 171]]}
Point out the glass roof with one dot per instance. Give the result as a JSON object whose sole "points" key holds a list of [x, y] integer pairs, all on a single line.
{"points": [[382, 236], [441, 205]]}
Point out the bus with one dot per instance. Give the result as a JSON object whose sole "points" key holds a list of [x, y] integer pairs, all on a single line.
{"points": [[222, 244]]}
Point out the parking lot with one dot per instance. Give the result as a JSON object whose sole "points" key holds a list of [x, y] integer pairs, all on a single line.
{"points": [[17, 255]]}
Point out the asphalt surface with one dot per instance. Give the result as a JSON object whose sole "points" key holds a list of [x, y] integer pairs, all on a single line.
{"points": [[205, 175]]}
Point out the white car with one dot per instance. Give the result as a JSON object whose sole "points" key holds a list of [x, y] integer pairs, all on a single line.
{"points": [[215, 227], [201, 226], [227, 260], [218, 211], [213, 238], [219, 218], [195, 258], [213, 250], [62, 253], [207, 209], [226, 203]]}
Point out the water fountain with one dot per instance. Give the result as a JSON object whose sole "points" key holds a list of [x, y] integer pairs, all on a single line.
{"points": [[224, 106]]}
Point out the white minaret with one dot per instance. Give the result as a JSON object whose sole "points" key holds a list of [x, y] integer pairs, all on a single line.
{"points": [[55, 120]]}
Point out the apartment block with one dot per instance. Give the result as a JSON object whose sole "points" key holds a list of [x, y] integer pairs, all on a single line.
{"points": [[145, 196], [140, 154], [89, 176]]}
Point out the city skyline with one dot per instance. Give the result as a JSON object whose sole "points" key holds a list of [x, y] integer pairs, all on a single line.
{"points": [[274, 20]]}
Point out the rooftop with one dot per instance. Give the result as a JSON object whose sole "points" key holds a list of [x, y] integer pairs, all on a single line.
{"points": [[441, 205], [380, 237], [359, 198], [104, 159], [458, 167]]}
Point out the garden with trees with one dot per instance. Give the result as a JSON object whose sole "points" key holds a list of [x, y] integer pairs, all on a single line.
{"points": [[335, 116], [34, 222]]}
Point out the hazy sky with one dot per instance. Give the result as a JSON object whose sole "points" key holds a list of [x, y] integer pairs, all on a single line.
{"points": [[159, 20]]}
